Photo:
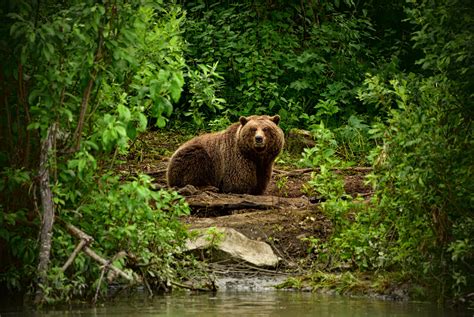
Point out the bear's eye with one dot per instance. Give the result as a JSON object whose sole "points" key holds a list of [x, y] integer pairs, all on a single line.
{"points": [[253, 129], [266, 129]]}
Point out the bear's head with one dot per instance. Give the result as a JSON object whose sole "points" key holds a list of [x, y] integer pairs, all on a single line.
{"points": [[260, 135]]}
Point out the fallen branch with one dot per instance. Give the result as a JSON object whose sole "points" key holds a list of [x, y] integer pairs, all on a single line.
{"points": [[295, 172], [359, 169], [103, 261], [157, 173], [88, 251], [74, 254], [147, 285], [73, 230]]}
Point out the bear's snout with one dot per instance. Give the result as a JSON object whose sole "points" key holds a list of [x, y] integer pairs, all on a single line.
{"points": [[258, 139]]}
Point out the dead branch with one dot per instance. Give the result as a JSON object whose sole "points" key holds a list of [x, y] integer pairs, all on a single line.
{"points": [[120, 255], [111, 276], [103, 261], [147, 285], [157, 173], [359, 169], [294, 172], [74, 254], [73, 230], [96, 296], [82, 115], [89, 252]]}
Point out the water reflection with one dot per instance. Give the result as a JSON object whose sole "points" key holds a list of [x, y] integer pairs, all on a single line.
{"points": [[270, 303]]}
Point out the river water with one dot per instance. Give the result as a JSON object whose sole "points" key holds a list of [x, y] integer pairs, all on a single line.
{"points": [[266, 303]]}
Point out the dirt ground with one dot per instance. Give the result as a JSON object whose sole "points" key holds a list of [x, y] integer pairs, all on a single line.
{"points": [[283, 224]]}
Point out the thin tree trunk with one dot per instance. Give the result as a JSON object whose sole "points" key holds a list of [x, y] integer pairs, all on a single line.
{"points": [[82, 115], [86, 95], [48, 212]]}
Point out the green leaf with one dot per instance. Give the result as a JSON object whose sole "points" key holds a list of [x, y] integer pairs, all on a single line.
{"points": [[131, 131], [177, 82], [165, 105], [142, 122], [33, 126], [124, 113], [161, 122]]}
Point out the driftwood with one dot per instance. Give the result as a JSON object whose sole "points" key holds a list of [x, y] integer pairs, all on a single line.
{"points": [[47, 204], [210, 201]]}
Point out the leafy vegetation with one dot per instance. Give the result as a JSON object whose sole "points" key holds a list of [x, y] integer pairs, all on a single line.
{"points": [[382, 84], [90, 74]]}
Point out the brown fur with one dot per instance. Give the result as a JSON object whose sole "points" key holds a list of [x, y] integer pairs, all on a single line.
{"points": [[236, 160]]}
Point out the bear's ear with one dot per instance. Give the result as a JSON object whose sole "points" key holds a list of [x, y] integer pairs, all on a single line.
{"points": [[275, 119], [243, 120]]}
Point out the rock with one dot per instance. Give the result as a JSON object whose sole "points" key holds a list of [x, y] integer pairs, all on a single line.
{"points": [[234, 245], [297, 140], [188, 190]]}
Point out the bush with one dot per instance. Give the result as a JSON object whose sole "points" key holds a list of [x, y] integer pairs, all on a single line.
{"points": [[87, 74]]}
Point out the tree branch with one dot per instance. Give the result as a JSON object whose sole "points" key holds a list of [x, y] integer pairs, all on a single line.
{"points": [[88, 251], [74, 254]]}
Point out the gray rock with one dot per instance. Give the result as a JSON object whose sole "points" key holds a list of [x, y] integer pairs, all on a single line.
{"points": [[233, 244]]}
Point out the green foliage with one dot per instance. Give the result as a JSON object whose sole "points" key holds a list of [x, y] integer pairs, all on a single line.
{"points": [[355, 140], [425, 180], [423, 184], [293, 59], [102, 71], [204, 84], [325, 184], [127, 217], [96, 71], [324, 152], [282, 185], [422, 161], [214, 236]]}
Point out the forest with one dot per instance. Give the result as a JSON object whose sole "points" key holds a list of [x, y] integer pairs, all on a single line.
{"points": [[386, 85]]}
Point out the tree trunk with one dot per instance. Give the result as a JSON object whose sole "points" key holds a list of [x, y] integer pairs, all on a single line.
{"points": [[48, 212]]}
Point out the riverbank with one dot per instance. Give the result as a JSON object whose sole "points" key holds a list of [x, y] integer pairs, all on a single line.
{"points": [[290, 224]]}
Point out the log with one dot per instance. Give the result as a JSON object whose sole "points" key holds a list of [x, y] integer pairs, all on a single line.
{"points": [[210, 201]]}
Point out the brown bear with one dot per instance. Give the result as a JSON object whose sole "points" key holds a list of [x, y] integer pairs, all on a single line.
{"points": [[236, 160]]}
